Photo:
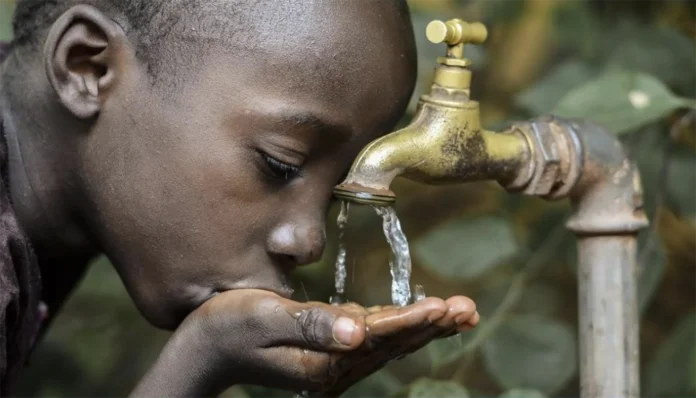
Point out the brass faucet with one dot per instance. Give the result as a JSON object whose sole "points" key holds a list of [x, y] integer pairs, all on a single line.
{"points": [[548, 157], [445, 142]]}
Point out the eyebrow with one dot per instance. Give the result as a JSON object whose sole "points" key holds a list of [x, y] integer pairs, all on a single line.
{"points": [[309, 119]]}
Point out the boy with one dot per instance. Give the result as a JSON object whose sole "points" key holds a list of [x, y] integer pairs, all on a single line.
{"points": [[196, 144]]}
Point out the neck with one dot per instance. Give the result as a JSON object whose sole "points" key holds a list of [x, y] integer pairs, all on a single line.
{"points": [[38, 172]]}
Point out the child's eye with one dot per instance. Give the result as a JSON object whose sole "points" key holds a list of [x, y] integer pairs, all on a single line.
{"points": [[279, 168]]}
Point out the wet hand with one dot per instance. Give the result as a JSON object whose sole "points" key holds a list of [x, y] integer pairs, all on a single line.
{"points": [[257, 337], [395, 332]]}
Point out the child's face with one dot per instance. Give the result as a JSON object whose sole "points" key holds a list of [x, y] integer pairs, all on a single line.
{"points": [[225, 182]]}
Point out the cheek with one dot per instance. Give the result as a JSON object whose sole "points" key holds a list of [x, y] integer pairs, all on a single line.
{"points": [[173, 209]]}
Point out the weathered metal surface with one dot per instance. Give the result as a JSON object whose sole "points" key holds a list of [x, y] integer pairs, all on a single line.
{"points": [[444, 144], [608, 317], [556, 155]]}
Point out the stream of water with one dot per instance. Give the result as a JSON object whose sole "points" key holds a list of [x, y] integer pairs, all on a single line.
{"points": [[341, 272], [400, 264]]}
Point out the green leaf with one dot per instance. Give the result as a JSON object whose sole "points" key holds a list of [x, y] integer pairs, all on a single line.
{"points": [[522, 393], [542, 97], [6, 11], [532, 352], [621, 101], [656, 50], [466, 248], [428, 388], [673, 370]]}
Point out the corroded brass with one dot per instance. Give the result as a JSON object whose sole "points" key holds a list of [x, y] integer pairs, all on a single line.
{"points": [[455, 32], [445, 142]]}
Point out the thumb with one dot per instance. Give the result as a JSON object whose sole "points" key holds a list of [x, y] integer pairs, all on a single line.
{"points": [[317, 326]]}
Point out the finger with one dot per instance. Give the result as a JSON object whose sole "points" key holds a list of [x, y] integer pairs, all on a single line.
{"points": [[379, 308], [410, 329], [356, 365], [354, 309], [396, 319], [313, 325], [462, 309], [470, 324]]}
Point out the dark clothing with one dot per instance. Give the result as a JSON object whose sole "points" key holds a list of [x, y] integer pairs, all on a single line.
{"points": [[20, 282]]}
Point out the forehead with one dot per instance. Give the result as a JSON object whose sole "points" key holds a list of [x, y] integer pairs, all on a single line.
{"points": [[352, 63]]}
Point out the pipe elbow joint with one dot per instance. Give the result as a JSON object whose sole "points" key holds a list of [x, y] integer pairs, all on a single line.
{"points": [[581, 160], [608, 197]]}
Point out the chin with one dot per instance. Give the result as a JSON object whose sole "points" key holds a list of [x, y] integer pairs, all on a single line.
{"points": [[167, 311], [167, 306]]}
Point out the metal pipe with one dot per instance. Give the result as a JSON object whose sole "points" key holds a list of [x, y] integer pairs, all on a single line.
{"points": [[608, 316], [608, 203]]}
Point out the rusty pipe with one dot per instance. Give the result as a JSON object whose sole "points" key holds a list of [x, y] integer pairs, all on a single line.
{"points": [[608, 214]]}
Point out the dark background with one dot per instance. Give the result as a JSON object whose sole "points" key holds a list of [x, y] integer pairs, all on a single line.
{"points": [[630, 65]]}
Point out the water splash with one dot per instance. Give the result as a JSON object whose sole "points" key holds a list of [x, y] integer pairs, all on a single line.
{"points": [[419, 293], [341, 272], [400, 265]]}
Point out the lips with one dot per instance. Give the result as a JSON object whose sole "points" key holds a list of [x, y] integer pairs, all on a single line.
{"points": [[280, 287], [285, 292]]}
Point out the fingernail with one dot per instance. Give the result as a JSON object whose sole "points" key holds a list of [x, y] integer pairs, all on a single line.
{"points": [[343, 330], [462, 318]]}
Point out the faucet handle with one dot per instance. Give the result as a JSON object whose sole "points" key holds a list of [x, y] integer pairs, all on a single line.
{"points": [[455, 31]]}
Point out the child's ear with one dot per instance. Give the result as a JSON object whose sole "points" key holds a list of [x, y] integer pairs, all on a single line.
{"points": [[80, 58]]}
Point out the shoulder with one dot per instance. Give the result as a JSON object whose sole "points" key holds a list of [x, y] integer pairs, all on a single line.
{"points": [[19, 287]]}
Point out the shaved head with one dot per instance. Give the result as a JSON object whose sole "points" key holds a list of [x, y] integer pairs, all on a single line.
{"points": [[167, 33]]}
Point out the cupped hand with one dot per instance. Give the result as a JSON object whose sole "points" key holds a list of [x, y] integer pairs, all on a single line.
{"points": [[394, 332], [257, 337]]}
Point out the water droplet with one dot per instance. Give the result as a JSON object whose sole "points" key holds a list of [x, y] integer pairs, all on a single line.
{"points": [[419, 293], [341, 272]]}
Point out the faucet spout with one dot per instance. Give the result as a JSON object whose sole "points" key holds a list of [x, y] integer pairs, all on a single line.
{"points": [[444, 144]]}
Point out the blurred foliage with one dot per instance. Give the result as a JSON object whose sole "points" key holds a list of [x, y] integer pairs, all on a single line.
{"points": [[6, 9], [630, 65]]}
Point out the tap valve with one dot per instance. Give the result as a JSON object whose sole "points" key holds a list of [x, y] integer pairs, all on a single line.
{"points": [[456, 33], [452, 72]]}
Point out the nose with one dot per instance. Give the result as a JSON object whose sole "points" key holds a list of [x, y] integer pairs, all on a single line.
{"points": [[297, 244]]}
